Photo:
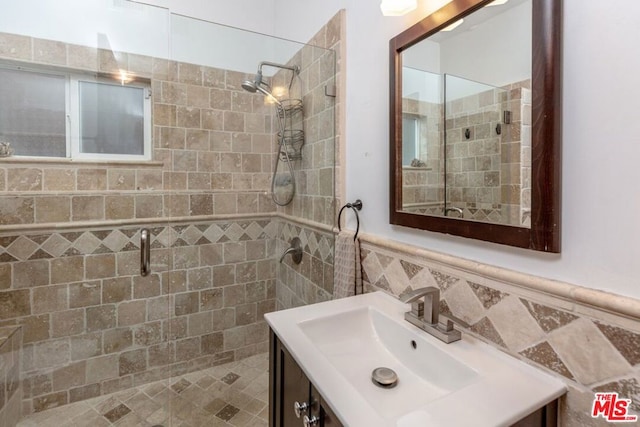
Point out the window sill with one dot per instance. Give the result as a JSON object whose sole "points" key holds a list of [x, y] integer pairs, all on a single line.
{"points": [[79, 162]]}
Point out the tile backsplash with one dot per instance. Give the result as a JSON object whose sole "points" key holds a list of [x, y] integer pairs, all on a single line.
{"points": [[590, 349]]}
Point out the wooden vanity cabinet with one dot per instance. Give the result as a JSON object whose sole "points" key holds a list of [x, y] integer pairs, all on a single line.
{"points": [[288, 384]]}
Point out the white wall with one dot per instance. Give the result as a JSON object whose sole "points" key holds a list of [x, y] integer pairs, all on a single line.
{"points": [[601, 138], [496, 52]]}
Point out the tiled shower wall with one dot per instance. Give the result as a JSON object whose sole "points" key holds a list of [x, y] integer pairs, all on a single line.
{"points": [[315, 203], [485, 170], [69, 247], [10, 384], [590, 349], [92, 325], [212, 147], [423, 186]]}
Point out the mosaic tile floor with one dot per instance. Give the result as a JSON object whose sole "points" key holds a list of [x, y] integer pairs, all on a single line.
{"points": [[233, 394]]}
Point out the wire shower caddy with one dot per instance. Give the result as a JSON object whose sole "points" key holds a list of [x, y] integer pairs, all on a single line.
{"points": [[291, 137]]}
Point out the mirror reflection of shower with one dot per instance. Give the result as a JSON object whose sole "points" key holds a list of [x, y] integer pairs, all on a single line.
{"points": [[290, 136]]}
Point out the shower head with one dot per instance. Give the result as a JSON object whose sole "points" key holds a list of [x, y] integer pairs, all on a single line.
{"points": [[259, 86], [252, 86], [249, 86]]}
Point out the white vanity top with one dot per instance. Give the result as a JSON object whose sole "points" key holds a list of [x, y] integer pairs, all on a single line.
{"points": [[466, 383]]}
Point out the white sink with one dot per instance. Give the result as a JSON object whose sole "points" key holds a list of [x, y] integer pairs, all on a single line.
{"points": [[339, 343]]}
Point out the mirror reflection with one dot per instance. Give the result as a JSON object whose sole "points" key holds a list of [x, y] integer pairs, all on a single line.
{"points": [[466, 118]]}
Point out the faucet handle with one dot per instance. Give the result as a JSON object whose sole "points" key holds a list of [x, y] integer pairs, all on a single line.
{"points": [[445, 323], [417, 309]]}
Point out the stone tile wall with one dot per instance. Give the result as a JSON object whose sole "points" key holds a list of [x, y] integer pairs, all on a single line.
{"points": [[212, 147], [423, 187], [473, 161], [10, 385], [315, 173], [590, 349], [488, 171], [310, 281], [92, 325], [313, 212]]}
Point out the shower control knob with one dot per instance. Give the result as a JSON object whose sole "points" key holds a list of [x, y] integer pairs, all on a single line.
{"points": [[300, 408], [308, 422]]}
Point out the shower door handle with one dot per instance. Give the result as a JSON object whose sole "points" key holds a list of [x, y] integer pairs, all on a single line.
{"points": [[145, 252]]}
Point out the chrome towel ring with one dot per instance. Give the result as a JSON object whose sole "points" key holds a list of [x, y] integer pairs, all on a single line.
{"points": [[356, 206]]}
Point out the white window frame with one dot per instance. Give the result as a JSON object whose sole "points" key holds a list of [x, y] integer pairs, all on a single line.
{"points": [[72, 107], [74, 118]]}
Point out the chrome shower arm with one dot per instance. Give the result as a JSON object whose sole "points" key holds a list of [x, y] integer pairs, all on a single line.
{"points": [[294, 68]]}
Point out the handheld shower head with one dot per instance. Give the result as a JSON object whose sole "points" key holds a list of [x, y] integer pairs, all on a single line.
{"points": [[268, 94], [252, 86], [249, 86], [259, 86]]}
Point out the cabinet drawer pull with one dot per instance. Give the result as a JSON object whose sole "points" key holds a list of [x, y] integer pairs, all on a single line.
{"points": [[308, 422], [300, 408]]}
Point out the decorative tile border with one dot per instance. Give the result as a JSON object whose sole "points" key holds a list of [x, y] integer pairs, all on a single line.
{"points": [[26, 247], [310, 281], [590, 349]]}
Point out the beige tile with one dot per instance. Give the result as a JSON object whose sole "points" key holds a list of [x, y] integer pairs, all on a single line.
{"points": [[24, 179], [148, 179], [213, 77], [84, 294], [53, 209], [116, 290], [48, 299], [233, 121], [82, 57], [121, 179], [14, 46], [101, 317], [464, 303], [119, 207], [515, 325], [67, 269], [14, 304], [69, 376], [132, 361], [66, 323], [59, 179], [100, 266], [600, 362], [132, 313], [188, 117], [87, 208], [117, 340], [149, 206], [91, 179]]}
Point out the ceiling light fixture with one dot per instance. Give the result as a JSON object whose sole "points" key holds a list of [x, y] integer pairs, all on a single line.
{"points": [[397, 7]]}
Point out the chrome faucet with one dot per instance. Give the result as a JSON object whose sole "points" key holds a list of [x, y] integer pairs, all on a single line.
{"points": [[295, 250], [425, 314]]}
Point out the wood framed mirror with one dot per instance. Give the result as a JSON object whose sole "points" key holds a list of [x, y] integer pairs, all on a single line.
{"points": [[486, 149]]}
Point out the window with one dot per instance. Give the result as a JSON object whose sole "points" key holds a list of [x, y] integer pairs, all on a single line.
{"points": [[410, 138], [58, 114]]}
